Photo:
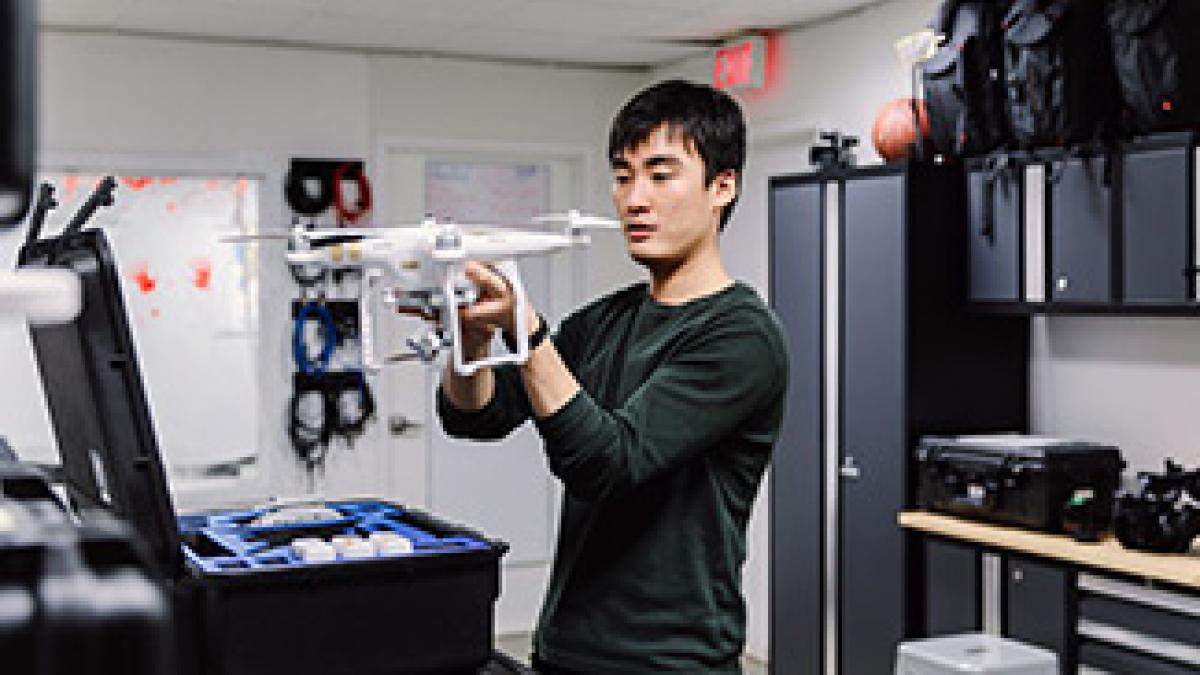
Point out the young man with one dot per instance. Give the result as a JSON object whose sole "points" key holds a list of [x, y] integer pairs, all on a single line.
{"points": [[658, 405]]}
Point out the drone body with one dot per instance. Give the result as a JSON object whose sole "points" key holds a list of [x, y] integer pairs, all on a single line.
{"points": [[421, 269]]}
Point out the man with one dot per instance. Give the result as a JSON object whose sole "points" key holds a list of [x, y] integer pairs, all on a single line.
{"points": [[658, 405]]}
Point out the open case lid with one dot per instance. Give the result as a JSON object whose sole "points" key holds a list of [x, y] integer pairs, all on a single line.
{"points": [[97, 401]]}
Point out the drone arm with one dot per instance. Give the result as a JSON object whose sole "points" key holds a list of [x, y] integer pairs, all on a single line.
{"points": [[366, 326]]}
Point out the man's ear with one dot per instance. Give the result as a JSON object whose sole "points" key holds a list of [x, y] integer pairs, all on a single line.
{"points": [[724, 187]]}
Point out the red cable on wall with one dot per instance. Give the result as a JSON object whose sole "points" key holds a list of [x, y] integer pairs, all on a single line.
{"points": [[339, 200]]}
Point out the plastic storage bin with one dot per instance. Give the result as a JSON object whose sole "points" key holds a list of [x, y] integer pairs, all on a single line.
{"points": [[973, 653]]}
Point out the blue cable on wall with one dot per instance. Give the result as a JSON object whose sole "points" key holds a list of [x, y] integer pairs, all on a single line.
{"points": [[304, 364]]}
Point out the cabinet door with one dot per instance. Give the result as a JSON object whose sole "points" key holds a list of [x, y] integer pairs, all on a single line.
{"points": [[1156, 216], [797, 470], [953, 586], [994, 219], [1080, 231], [871, 552], [1039, 606], [1111, 659]]}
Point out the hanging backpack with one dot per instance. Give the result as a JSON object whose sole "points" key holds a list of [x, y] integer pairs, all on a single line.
{"points": [[1156, 52], [964, 88], [1061, 88]]}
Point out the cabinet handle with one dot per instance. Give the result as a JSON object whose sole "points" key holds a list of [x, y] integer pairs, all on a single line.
{"points": [[849, 470]]}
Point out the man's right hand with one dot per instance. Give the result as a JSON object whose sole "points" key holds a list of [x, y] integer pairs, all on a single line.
{"points": [[493, 309]]}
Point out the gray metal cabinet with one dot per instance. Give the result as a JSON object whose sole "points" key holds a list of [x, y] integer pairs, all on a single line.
{"points": [[1157, 227], [995, 230], [869, 280], [872, 573], [1131, 627], [953, 587], [1103, 231], [1039, 606], [1079, 197], [796, 571]]}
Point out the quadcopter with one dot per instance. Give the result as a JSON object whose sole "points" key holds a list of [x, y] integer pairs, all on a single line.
{"points": [[421, 271]]}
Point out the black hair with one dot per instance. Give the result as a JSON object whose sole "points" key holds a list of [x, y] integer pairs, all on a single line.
{"points": [[707, 118]]}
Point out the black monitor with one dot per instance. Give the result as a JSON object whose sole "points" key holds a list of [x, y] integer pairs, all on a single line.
{"points": [[97, 401], [18, 107]]}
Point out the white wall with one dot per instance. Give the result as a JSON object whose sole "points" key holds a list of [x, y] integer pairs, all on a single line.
{"points": [[505, 104]]}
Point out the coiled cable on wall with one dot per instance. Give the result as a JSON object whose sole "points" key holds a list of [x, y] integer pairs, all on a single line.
{"points": [[304, 364], [353, 427], [345, 213], [298, 196]]}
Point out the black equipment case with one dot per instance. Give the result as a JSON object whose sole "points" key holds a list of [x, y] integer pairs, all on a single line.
{"points": [[1044, 483], [76, 596], [245, 601]]}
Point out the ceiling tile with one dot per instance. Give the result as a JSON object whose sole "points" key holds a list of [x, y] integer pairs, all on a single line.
{"points": [[215, 18], [391, 33], [82, 12], [562, 47], [584, 19], [605, 31]]}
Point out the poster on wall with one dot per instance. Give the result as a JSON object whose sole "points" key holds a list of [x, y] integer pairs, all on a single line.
{"points": [[494, 193]]}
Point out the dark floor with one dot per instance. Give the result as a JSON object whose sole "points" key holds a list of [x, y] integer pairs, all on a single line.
{"points": [[517, 645]]}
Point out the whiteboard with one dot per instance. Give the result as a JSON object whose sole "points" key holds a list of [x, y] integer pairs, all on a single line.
{"points": [[191, 301], [494, 192]]}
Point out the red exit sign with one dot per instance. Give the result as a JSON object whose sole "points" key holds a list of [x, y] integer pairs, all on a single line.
{"points": [[740, 65]]}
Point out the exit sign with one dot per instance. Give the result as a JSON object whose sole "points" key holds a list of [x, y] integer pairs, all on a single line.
{"points": [[741, 65]]}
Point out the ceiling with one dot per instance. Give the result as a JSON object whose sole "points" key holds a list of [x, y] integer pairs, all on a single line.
{"points": [[626, 33]]}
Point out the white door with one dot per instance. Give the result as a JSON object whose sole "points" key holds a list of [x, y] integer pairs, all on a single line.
{"points": [[503, 489]]}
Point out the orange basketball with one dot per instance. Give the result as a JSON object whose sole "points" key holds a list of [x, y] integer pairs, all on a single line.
{"points": [[894, 133]]}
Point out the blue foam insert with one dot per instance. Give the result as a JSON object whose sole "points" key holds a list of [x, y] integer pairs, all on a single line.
{"points": [[242, 546]]}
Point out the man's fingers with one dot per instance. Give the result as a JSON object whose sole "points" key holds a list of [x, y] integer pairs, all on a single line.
{"points": [[484, 309], [489, 281]]}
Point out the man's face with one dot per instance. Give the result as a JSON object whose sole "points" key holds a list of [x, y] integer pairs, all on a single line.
{"points": [[659, 192]]}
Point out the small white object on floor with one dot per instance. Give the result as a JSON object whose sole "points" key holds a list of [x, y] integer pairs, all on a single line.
{"points": [[973, 653]]}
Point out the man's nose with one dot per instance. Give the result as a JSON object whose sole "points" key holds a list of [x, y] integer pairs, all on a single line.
{"points": [[637, 198]]}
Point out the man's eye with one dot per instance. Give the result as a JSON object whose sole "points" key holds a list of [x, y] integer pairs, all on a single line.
{"points": [[620, 179], [660, 177]]}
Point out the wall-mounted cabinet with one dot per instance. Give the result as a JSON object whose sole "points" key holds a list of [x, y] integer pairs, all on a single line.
{"points": [[1158, 207], [1087, 231], [1080, 224]]}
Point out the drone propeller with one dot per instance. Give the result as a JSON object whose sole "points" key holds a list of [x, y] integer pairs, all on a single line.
{"points": [[574, 220], [243, 238], [334, 239]]}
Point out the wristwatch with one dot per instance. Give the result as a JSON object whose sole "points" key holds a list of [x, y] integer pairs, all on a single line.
{"points": [[535, 339]]}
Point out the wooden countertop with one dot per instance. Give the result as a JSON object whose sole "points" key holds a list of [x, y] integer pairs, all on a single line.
{"points": [[1107, 554]]}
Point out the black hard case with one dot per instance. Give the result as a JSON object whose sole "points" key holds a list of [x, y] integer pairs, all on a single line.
{"points": [[411, 614], [1008, 481]]}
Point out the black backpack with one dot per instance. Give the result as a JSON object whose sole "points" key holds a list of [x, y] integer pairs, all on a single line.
{"points": [[1156, 51], [1061, 88], [963, 82]]}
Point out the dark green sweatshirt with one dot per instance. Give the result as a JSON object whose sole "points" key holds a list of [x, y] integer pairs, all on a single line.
{"points": [[660, 454]]}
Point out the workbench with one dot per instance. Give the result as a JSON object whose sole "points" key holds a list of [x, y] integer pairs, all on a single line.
{"points": [[1100, 606]]}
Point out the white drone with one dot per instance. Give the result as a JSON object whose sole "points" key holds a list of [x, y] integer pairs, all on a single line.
{"points": [[422, 270]]}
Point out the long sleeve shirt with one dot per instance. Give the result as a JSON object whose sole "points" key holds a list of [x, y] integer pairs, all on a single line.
{"points": [[661, 453]]}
